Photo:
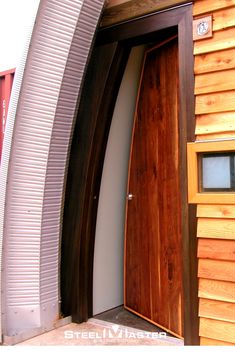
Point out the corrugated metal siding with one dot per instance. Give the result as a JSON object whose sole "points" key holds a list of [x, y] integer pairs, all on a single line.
{"points": [[57, 57], [61, 137], [16, 89]]}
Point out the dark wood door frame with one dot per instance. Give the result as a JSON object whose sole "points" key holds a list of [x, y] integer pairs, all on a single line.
{"points": [[105, 70]]}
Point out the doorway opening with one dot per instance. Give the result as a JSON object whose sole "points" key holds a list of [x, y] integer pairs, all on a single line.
{"points": [[108, 271], [88, 152], [146, 273]]}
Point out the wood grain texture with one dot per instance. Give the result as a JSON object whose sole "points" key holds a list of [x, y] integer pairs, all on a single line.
{"points": [[215, 269], [211, 342], [217, 290], [153, 232], [214, 309], [134, 8], [216, 228], [216, 249], [215, 82], [215, 329], [224, 19], [215, 102], [216, 61], [221, 40], [220, 198], [111, 3], [152, 322], [216, 211], [202, 6], [215, 123], [218, 136], [192, 172]]}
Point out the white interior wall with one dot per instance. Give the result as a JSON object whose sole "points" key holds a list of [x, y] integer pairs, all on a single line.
{"points": [[108, 257]]}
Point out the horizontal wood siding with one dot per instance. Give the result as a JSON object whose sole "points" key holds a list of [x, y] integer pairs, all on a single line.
{"points": [[217, 329], [210, 342], [215, 123], [202, 7], [215, 102], [216, 211], [215, 82], [216, 269], [216, 61], [221, 40], [217, 290], [216, 249], [224, 19], [216, 228], [214, 69], [215, 309], [215, 72], [218, 136]]}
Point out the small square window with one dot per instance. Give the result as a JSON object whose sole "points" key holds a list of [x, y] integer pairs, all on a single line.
{"points": [[211, 172]]}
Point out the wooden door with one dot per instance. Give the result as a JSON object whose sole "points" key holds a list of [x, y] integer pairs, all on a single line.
{"points": [[153, 244]]}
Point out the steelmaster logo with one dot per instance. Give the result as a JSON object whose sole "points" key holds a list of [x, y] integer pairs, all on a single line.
{"points": [[114, 332]]}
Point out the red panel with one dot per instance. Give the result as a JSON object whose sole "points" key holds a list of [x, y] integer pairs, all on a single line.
{"points": [[6, 80]]}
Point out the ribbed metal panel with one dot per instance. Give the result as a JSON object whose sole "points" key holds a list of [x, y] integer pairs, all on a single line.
{"points": [[61, 134], [36, 176], [5, 163]]}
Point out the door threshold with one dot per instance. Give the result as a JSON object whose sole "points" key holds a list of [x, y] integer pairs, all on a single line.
{"points": [[126, 332]]}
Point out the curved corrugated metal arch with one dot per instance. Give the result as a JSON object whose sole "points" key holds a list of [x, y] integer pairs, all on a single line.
{"points": [[35, 155]]}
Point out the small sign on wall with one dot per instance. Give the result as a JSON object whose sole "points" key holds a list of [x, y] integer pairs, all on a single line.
{"points": [[202, 28]]}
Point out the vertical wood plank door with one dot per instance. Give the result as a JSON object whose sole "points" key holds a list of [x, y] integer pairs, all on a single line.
{"points": [[153, 241]]}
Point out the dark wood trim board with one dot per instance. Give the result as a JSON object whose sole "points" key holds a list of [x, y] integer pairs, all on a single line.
{"points": [[135, 8]]}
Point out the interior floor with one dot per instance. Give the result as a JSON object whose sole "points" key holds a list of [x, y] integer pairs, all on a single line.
{"points": [[121, 316]]}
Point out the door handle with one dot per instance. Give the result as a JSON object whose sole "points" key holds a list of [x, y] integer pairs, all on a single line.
{"points": [[130, 197]]}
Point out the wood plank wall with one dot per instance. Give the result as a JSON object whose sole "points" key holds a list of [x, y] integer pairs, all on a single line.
{"points": [[215, 119]]}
